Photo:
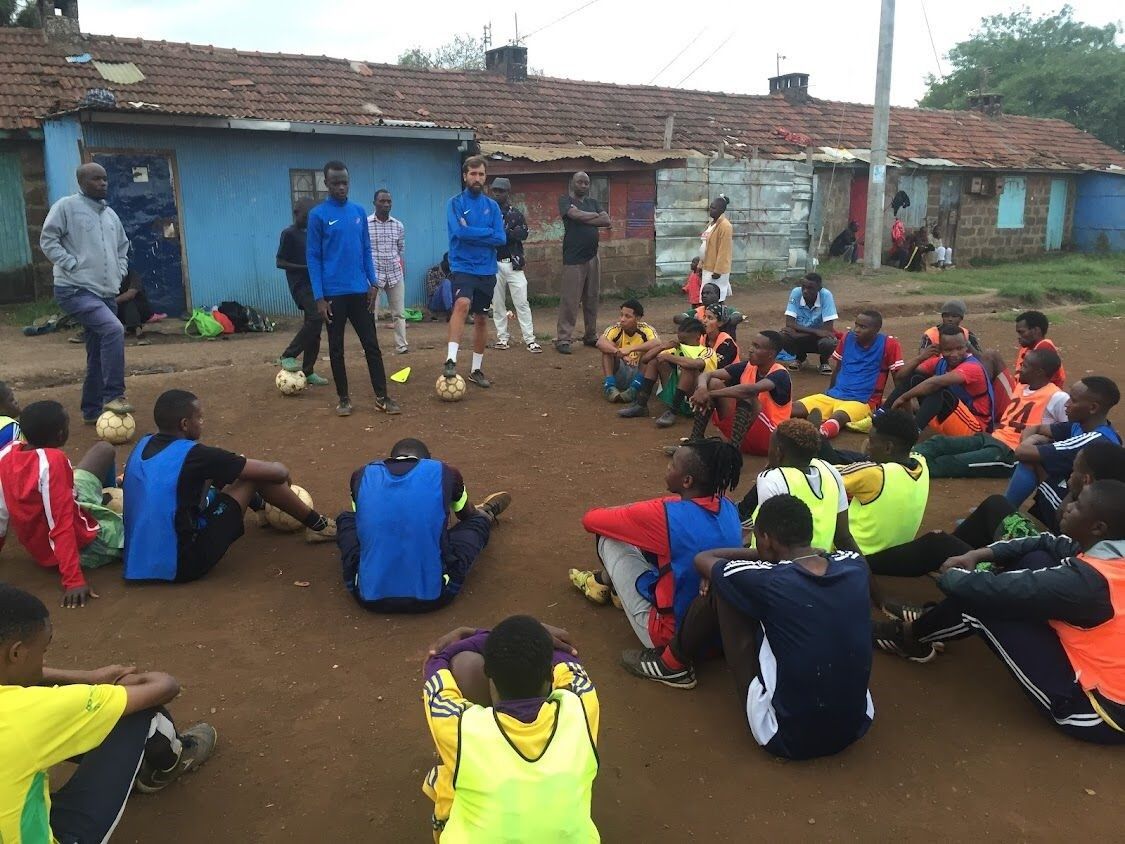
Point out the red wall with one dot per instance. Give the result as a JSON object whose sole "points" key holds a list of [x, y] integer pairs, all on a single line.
{"points": [[632, 201]]}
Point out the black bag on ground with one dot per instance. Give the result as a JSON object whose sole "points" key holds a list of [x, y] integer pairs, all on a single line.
{"points": [[238, 315]]}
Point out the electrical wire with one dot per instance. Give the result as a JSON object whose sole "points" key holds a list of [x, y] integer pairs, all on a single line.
{"points": [[933, 46], [714, 53], [559, 19], [690, 44]]}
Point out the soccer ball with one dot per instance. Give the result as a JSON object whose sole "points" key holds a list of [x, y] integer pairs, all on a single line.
{"points": [[290, 383], [450, 389], [116, 428], [114, 499], [282, 521]]}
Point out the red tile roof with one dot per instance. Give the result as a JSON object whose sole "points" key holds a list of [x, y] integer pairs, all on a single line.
{"points": [[189, 79]]}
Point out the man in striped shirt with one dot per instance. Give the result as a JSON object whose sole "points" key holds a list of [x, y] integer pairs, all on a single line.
{"points": [[388, 251]]}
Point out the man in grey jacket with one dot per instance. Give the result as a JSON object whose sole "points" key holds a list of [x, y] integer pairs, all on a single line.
{"points": [[86, 242]]}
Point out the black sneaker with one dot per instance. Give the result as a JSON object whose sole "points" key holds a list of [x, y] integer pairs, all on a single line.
{"points": [[450, 370], [495, 504], [902, 611], [198, 744], [647, 665], [667, 419], [480, 379], [344, 408], [890, 636], [387, 405], [634, 411], [562, 348]]}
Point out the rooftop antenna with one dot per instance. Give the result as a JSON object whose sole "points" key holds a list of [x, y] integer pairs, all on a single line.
{"points": [[780, 58], [516, 17], [486, 39]]}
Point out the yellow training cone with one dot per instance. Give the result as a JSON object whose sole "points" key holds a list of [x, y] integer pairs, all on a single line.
{"points": [[401, 376]]}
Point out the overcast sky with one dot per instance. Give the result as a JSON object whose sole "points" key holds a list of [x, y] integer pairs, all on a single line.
{"points": [[627, 41]]}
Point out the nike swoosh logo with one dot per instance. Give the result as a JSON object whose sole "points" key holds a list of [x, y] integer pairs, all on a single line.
{"points": [[332, 222]]}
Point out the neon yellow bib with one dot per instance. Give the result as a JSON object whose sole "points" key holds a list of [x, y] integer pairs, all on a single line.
{"points": [[895, 514], [824, 507], [501, 797]]}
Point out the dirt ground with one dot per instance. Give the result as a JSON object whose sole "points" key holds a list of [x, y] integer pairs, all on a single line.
{"points": [[318, 705]]}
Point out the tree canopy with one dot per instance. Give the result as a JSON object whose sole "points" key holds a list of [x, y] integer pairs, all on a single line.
{"points": [[1050, 66], [463, 52], [16, 13]]}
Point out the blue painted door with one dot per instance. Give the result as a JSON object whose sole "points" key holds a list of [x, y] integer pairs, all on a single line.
{"points": [[1056, 214], [17, 282], [142, 191]]}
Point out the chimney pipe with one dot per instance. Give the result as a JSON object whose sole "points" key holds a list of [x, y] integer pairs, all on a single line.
{"points": [[990, 105], [509, 60], [59, 18], [793, 86]]}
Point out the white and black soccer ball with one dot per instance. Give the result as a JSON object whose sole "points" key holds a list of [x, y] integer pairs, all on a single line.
{"points": [[290, 383], [450, 389], [116, 428]]}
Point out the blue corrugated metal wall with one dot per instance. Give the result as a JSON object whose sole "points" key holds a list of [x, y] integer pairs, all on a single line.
{"points": [[234, 197], [1099, 209], [15, 253], [61, 156]]}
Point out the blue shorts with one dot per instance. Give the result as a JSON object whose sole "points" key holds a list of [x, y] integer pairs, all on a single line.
{"points": [[478, 289]]}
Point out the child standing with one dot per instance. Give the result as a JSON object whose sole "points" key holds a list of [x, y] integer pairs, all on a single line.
{"points": [[692, 285]]}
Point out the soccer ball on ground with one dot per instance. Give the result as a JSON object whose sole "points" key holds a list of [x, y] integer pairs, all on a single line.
{"points": [[114, 499], [116, 428], [279, 520], [290, 383], [450, 389]]}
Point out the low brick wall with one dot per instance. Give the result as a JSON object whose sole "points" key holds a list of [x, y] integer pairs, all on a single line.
{"points": [[626, 263], [978, 237]]}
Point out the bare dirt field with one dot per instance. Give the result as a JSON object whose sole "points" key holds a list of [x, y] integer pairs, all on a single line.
{"points": [[318, 705]]}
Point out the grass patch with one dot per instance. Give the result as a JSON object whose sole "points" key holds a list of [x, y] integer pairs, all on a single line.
{"points": [[1047, 291], [1051, 279], [1113, 308], [27, 312]]}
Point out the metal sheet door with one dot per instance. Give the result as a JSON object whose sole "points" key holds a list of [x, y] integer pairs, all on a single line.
{"points": [[142, 191], [1056, 215], [17, 282]]}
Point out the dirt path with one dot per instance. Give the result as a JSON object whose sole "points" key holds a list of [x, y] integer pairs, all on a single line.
{"points": [[318, 704]]}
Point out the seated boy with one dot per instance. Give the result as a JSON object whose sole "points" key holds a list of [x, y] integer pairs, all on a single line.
{"points": [[398, 552], [952, 386], [746, 401], [110, 720], [184, 501], [794, 469], [795, 625], [709, 295], [993, 455], [952, 313], [1031, 333], [54, 509], [622, 345], [863, 359], [1053, 613], [9, 414], [1046, 452], [810, 319], [515, 720], [646, 549], [677, 364]]}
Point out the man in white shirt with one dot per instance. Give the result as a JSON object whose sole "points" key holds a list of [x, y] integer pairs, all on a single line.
{"points": [[388, 251]]}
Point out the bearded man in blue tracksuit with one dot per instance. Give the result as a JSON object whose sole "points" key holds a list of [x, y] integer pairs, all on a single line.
{"points": [[476, 228]]}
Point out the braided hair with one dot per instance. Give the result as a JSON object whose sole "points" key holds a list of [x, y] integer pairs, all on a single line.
{"points": [[715, 464]]}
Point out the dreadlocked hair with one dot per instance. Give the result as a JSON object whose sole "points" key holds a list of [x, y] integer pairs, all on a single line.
{"points": [[799, 438], [715, 464]]}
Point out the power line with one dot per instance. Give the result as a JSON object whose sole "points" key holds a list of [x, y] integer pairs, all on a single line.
{"points": [[690, 44], [714, 53], [560, 19], [933, 46]]}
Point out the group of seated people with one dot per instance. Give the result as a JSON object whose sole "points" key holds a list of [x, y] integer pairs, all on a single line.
{"points": [[779, 581]]}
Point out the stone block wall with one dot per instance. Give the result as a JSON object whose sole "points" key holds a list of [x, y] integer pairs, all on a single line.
{"points": [[625, 263], [978, 236]]}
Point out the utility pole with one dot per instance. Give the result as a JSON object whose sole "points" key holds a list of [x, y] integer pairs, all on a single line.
{"points": [[877, 178], [779, 57]]}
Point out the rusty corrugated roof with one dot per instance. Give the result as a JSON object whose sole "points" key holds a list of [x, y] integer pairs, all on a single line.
{"points": [[191, 79]]}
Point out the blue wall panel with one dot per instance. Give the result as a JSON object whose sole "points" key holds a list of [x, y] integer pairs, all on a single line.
{"points": [[1099, 209], [235, 200], [61, 155]]}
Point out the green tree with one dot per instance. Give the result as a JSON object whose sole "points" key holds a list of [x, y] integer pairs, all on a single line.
{"points": [[463, 52], [1050, 66], [15, 13]]}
